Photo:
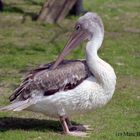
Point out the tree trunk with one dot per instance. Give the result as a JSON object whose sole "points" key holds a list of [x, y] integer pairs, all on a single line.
{"points": [[55, 10], [1, 5]]}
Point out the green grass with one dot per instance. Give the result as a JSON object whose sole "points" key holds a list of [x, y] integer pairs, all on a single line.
{"points": [[25, 44]]}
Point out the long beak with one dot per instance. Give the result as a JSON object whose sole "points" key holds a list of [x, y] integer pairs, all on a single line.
{"points": [[75, 39]]}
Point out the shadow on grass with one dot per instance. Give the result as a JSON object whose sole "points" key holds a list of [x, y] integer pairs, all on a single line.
{"points": [[11, 123], [14, 9]]}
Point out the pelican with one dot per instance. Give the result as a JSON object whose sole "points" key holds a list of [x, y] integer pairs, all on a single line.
{"points": [[64, 88]]}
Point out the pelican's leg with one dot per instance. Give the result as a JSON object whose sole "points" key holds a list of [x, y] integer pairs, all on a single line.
{"points": [[66, 130], [77, 127], [64, 124], [68, 122]]}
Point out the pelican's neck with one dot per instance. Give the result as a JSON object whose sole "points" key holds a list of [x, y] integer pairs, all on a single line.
{"points": [[92, 48], [102, 71]]}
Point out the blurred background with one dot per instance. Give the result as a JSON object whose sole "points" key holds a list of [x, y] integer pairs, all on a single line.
{"points": [[31, 34]]}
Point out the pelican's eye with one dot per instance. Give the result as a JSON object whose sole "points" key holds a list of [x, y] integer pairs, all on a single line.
{"points": [[78, 27]]}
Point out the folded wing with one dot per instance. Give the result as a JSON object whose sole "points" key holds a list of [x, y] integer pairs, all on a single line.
{"points": [[66, 76]]}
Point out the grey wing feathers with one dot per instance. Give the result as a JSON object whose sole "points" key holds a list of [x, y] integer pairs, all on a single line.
{"points": [[66, 76]]}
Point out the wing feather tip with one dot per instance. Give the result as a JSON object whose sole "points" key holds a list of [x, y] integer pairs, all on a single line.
{"points": [[17, 106]]}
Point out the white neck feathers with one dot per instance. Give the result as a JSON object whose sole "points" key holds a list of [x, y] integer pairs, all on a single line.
{"points": [[101, 70]]}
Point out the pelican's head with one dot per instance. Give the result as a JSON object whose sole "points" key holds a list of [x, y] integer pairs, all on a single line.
{"points": [[90, 23], [87, 26]]}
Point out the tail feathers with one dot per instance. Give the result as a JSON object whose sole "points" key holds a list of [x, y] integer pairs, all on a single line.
{"points": [[17, 106]]}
